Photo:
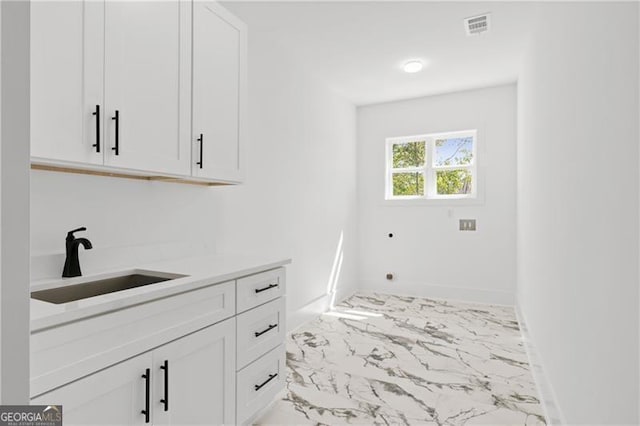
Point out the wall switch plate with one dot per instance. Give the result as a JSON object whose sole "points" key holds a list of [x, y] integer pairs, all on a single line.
{"points": [[467, 224]]}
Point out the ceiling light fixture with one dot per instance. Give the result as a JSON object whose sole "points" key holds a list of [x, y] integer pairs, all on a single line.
{"points": [[413, 66]]}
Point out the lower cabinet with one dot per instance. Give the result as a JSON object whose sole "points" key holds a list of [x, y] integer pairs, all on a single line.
{"points": [[196, 382], [260, 330], [260, 344], [114, 396], [259, 383], [213, 355], [185, 382]]}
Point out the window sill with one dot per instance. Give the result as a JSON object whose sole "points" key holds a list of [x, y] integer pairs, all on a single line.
{"points": [[434, 202]]}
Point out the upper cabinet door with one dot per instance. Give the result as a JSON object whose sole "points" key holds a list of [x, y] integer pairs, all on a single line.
{"points": [[66, 80], [219, 92], [147, 81]]}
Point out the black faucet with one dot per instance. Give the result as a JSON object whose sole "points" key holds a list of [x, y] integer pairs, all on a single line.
{"points": [[72, 263]]}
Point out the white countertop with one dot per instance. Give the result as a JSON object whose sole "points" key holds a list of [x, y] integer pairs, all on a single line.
{"points": [[200, 272]]}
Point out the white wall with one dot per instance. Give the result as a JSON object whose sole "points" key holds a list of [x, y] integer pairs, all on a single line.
{"points": [[428, 254], [578, 207], [299, 199], [121, 215]]}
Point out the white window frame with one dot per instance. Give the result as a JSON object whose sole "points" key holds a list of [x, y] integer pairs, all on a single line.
{"points": [[429, 169]]}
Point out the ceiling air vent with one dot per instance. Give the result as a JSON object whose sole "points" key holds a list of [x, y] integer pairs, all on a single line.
{"points": [[477, 24]]}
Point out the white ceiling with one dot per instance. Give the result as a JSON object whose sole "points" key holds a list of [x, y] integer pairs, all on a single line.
{"points": [[358, 48]]}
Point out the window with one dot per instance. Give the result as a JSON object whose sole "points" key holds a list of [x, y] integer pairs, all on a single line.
{"points": [[435, 166]]}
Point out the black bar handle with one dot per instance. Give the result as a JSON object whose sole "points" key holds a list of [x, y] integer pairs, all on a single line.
{"points": [[147, 390], [200, 139], [165, 400], [117, 120], [97, 114], [269, 287], [271, 377], [266, 330]]}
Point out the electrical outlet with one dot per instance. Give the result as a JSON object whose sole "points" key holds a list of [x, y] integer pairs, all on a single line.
{"points": [[467, 224]]}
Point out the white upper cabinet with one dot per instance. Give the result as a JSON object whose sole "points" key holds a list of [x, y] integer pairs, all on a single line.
{"points": [[219, 92], [140, 87], [66, 80], [147, 75]]}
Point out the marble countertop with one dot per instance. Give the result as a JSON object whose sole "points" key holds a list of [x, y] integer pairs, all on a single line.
{"points": [[199, 272]]}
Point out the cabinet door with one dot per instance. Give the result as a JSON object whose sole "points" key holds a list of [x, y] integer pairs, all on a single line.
{"points": [[66, 79], [200, 378], [219, 86], [114, 396], [147, 82]]}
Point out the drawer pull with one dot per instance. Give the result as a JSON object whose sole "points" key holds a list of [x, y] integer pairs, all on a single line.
{"points": [[269, 287], [165, 400], [147, 390], [97, 114], [200, 140], [116, 148], [266, 330], [271, 377]]}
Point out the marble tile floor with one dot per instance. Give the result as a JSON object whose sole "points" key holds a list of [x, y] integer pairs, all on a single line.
{"points": [[384, 359]]}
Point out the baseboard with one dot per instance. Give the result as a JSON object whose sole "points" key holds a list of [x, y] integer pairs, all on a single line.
{"points": [[316, 307], [547, 395], [463, 294]]}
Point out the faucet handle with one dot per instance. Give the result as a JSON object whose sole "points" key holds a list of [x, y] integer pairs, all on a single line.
{"points": [[70, 233]]}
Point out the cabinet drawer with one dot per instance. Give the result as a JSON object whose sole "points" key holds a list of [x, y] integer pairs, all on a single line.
{"points": [[259, 382], [260, 330], [257, 289]]}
